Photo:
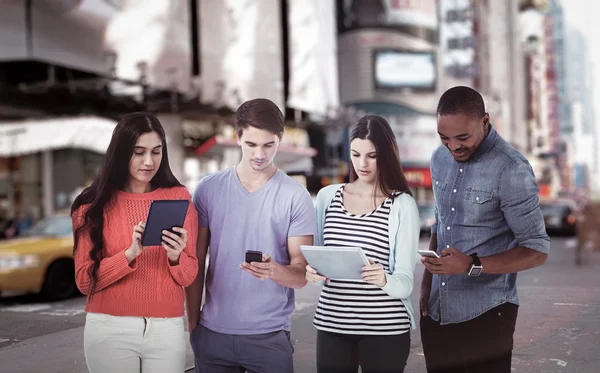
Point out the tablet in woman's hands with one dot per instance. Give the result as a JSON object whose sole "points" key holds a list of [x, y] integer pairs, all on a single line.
{"points": [[163, 215]]}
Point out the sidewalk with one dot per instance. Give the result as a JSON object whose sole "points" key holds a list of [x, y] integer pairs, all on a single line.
{"points": [[60, 352], [557, 328]]}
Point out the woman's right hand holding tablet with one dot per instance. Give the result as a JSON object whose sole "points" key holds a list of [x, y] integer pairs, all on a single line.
{"points": [[312, 276], [136, 247]]}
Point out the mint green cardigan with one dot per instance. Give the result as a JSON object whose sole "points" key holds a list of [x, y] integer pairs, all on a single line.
{"points": [[404, 228]]}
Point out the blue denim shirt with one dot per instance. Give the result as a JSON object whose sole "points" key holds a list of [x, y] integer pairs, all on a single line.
{"points": [[486, 205]]}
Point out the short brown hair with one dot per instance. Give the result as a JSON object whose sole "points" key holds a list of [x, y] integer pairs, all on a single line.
{"points": [[259, 113]]}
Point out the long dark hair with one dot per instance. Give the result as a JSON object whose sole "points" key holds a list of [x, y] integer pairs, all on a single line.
{"points": [[112, 177], [390, 177]]}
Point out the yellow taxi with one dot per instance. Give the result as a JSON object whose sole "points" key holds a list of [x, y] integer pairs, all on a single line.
{"points": [[40, 259]]}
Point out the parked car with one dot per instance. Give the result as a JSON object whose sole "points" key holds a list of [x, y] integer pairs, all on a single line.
{"points": [[40, 259], [560, 217], [427, 216]]}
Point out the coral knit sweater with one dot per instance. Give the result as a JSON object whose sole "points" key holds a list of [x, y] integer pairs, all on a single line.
{"points": [[148, 286]]}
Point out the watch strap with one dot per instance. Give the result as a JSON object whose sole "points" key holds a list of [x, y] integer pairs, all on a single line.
{"points": [[476, 261]]}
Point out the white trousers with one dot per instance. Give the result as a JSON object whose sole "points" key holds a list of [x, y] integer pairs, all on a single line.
{"points": [[128, 344]]}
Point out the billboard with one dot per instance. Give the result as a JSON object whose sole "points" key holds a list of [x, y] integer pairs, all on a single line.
{"points": [[156, 33], [313, 85], [397, 69]]}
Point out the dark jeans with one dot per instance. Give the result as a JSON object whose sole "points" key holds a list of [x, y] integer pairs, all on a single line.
{"points": [[343, 353], [226, 353], [481, 345]]}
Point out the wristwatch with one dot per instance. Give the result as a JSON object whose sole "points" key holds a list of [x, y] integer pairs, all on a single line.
{"points": [[476, 267]]}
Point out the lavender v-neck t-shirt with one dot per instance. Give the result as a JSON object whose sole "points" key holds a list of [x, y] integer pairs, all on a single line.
{"points": [[237, 302]]}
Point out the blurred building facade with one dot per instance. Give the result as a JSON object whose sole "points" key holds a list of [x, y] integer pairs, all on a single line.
{"points": [[458, 45], [68, 72], [501, 68], [562, 125], [389, 66], [285, 51], [189, 62], [581, 133], [75, 67]]}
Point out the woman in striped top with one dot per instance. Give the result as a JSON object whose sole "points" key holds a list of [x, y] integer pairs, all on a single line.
{"points": [[367, 322]]}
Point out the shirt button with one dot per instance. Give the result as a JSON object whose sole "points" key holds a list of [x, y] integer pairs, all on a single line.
{"points": [[452, 208], [460, 170], [443, 284], [448, 228], [447, 246], [437, 182], [455, 191], [477, 198]]}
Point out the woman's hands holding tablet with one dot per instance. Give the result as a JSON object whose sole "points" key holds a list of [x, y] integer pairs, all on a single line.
{"points": [[136, 247], [312, 276], [174, 243], [374, 274]]}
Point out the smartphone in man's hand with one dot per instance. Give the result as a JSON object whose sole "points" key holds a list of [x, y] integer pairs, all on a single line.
{"points": [[253, 256], [428, 253]]}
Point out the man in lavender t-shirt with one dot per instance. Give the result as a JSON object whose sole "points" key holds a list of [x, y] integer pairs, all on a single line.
{"points": [[245, 321]]}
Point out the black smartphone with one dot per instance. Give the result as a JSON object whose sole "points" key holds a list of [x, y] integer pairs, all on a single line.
{"points": [[253, 256]]}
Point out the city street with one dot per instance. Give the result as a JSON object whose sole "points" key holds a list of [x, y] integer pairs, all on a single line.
{"points": [[557, 329], [471, 105]]}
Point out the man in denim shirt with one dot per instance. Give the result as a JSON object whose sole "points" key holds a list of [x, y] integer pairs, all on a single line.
{"points": [[488, 227]]}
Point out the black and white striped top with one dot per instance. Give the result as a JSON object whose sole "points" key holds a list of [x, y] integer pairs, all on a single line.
{"points": [[355, 307]]}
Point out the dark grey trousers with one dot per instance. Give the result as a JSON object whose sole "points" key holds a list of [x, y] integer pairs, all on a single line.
{"points": [[226, 353]]}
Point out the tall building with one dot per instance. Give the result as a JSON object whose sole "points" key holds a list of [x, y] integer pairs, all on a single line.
{"points": [[578, 77], [553, 40], [580, 95], [560, 116], [457, 43], [556, 19], [500, 59]]}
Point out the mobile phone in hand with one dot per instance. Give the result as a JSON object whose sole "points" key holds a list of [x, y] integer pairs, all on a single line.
{"points": [[428, 253], [253, 256]]}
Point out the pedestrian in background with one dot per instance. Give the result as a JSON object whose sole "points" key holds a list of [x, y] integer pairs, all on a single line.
{"points": [[135, 295], [367, 322]]}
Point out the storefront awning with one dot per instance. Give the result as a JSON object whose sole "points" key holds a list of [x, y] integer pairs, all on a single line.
{"points": [[36, 135], [286, 154]]}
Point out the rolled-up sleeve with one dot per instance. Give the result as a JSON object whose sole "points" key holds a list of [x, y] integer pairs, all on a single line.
{"points": [[519, 202]]}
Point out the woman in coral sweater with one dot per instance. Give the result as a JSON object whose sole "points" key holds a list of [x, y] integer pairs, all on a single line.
{"points": [[135, 295]]}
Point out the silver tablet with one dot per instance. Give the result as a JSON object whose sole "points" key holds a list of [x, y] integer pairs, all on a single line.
{"points": [[338, 263]]}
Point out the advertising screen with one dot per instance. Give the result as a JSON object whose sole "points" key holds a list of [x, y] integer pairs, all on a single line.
{"points": [[401, 69]]}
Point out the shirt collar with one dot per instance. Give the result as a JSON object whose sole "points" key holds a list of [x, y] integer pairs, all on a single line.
{"points": [[486, 145]]}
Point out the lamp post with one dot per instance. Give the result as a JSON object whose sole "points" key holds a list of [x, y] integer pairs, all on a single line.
{"points": [[172, 74], [110, 60], [142, 68], [531, 21]]}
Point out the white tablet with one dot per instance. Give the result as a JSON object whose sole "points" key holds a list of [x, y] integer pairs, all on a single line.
{"points": [[338, 263]]}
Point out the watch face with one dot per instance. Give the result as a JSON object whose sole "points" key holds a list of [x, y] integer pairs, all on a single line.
{"points": [[475, 271]]}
